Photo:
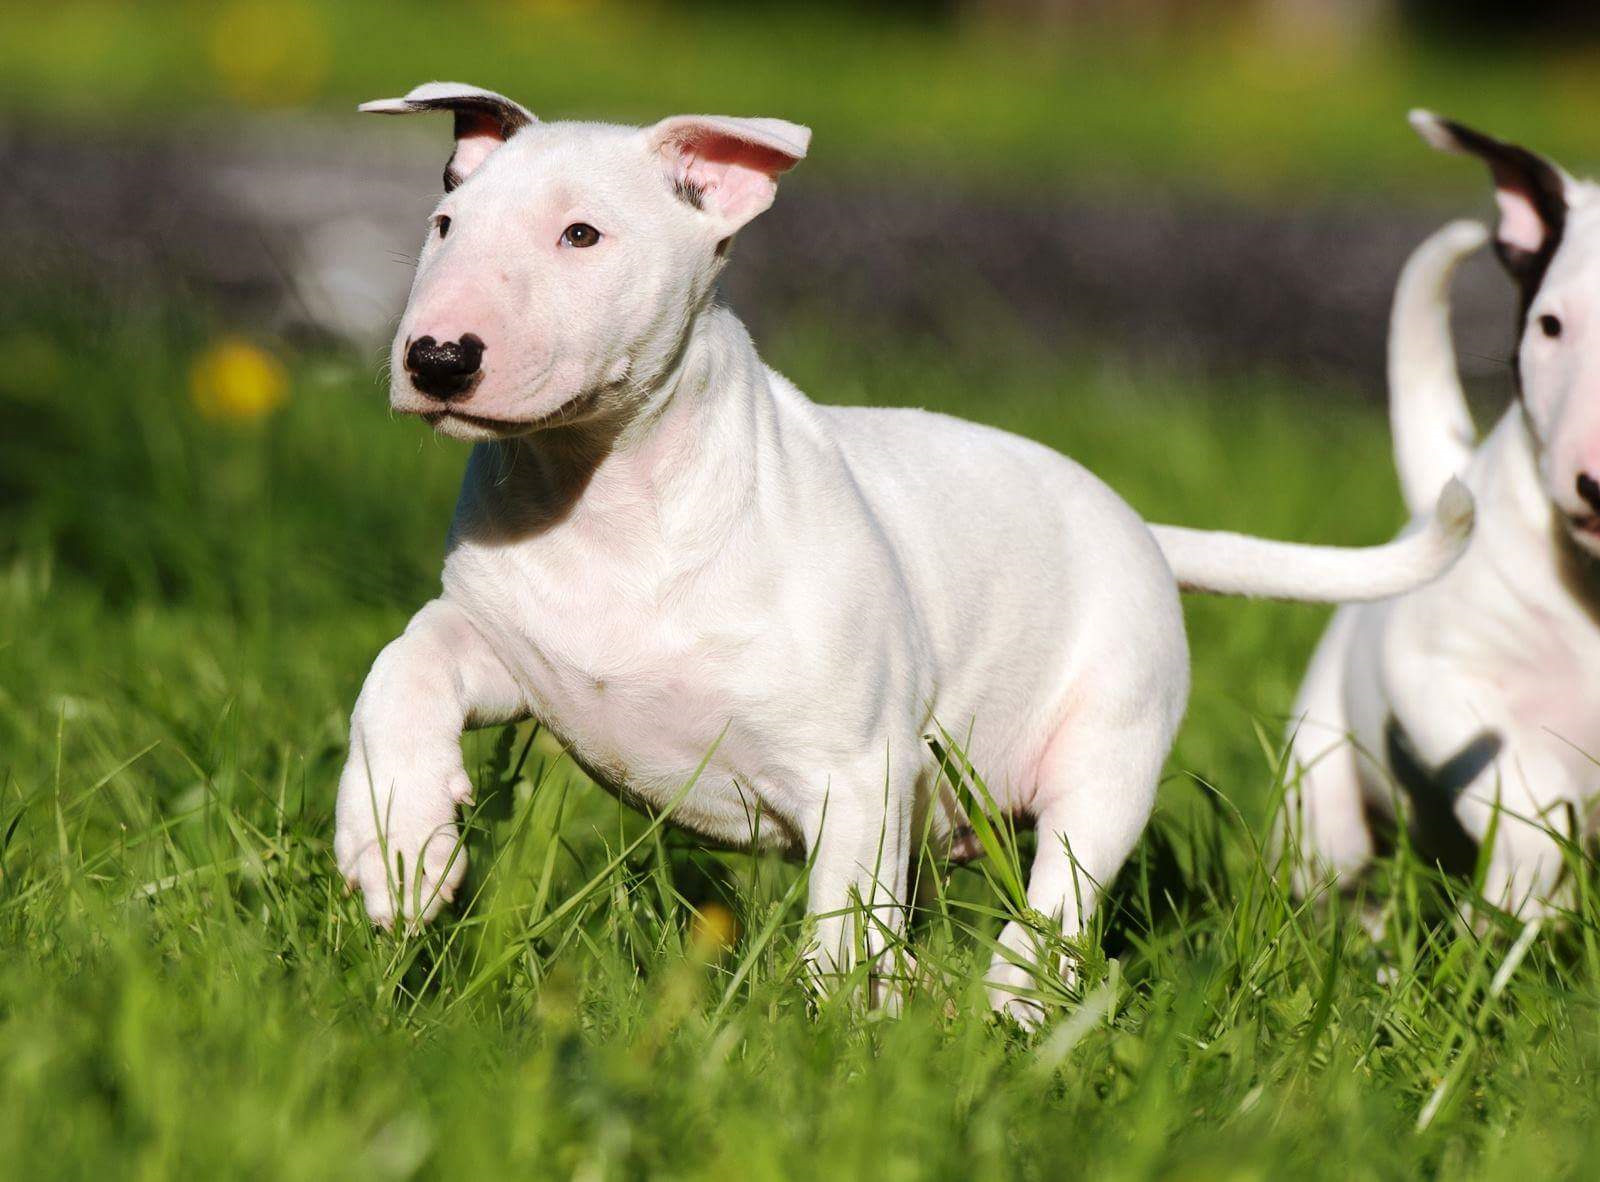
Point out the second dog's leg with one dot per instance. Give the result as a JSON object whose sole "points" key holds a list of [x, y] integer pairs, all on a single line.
{"points": [[1324, 827], [1520, 799]]}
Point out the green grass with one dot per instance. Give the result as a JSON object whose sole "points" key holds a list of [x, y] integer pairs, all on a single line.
{"points": [[186, 613], [1224, 105]]}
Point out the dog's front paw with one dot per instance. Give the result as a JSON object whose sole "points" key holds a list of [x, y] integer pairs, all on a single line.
{"points": [[1031, 973], [397, 841], [1014, 991]]}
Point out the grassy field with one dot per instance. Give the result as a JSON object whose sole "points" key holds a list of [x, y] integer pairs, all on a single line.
{"points": [[1223, 104], [187, 608]]}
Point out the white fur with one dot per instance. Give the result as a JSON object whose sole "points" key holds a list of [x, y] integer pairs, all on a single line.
{"points": [[1432, 430], [1231, 564], [667, 554], [1507, 642]]}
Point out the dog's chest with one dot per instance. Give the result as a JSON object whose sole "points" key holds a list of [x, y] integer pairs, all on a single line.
{"points": [[1536, 665], [1555, 688], [639, 676]]}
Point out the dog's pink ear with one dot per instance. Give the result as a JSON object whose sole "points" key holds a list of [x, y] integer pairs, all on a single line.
{"points": [[728, 167], [1530, 190], [484, 121]]}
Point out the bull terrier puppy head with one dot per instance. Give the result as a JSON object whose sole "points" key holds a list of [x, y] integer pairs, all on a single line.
{"points": [[566, 261], [1548, 239]]}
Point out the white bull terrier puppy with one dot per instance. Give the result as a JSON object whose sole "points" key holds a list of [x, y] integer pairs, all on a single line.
{"points": [[1477, 695], [666, 554]]}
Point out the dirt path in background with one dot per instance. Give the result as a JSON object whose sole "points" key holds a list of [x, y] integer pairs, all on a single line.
{"points": [[285, 227]]}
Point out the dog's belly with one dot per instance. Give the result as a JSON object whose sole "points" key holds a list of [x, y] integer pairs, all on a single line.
{"points": [[713, 806]]}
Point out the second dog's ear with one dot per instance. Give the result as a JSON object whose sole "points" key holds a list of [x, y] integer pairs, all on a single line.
{"points": [[1530, 190], [484, 121], [728, 167]]}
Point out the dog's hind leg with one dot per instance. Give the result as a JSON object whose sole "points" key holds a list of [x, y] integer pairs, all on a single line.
{"points": [[1096, 787], [1323, 828]]}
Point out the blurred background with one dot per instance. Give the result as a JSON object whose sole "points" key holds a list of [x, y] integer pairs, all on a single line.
{"points": [[1160, 235], [1227, 184]]}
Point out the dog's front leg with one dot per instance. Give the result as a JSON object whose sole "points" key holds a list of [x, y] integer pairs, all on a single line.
{"points": [[396, 834], [859, 848], [1526, 802]]}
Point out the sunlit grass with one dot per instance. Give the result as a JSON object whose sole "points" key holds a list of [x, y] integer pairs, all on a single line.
{"points": [[186, 612]]}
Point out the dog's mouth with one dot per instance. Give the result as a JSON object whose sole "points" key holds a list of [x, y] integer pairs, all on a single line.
{"points": [[481, 422], [570, 411], [1585, 527]]}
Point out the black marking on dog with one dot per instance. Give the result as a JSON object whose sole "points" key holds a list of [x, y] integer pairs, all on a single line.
{"points": [[476, 114], [1433, 792], [1578, 569], [689, 191], [1589, 490], [1540, 182]]}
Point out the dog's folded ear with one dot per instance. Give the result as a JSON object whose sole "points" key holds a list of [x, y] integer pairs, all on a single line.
{"points": [[728, 167], [484, 120], [1530, 190]]}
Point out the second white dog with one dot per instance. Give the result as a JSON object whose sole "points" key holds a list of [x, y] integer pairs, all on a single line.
{"points": [[667, 554], [1471, 707]]}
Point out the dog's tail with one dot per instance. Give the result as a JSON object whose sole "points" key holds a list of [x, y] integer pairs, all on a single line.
{"points": [[1428, 417], [1234, 564]]}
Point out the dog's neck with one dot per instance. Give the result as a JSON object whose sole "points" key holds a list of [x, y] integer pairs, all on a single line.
{"points": [[691, 439]]}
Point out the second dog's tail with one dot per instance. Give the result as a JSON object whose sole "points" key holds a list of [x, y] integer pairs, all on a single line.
{"points": [[1428, 417], [1235, 564]]}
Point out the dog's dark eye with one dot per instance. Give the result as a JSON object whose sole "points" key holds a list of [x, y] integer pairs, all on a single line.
{"points": [[1550, 325], [444, 226], [580, 234]]}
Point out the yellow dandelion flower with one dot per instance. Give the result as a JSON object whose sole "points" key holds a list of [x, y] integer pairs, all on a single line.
{"points": [[237, 381], [715, 930]]}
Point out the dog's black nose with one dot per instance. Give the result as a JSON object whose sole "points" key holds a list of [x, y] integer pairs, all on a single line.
{"points": [[1589, 490], [444, 369]]}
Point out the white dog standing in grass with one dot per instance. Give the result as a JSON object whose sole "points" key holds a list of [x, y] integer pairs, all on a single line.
{"points": [[665, 553], [1478, 696]]}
